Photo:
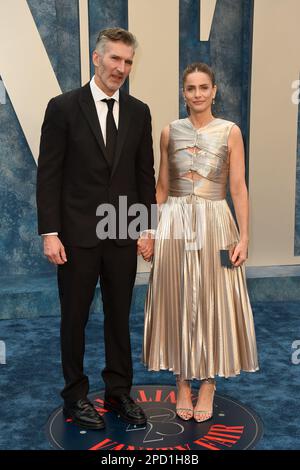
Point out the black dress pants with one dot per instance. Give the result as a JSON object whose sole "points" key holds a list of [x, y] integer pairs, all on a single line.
{"points": [[115, 266]]}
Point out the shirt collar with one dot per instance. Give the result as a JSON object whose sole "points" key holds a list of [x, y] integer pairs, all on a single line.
{"points": [[99, 95]]}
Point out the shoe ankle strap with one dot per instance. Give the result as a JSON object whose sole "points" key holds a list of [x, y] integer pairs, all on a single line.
{"points": [[179, 379], [209, 380]]}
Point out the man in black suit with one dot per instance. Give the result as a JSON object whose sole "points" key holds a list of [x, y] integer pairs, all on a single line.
{"points": [[96, 145]]}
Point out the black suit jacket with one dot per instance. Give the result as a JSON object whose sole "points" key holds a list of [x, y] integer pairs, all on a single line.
{"points": [[74, 175]]}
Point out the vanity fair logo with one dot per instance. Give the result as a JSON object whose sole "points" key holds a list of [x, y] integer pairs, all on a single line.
{"points": [[233, 426], [164, 431], [23, 30]]}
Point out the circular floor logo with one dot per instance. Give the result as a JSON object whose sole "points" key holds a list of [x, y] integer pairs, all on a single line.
{"points": [[233, 426]]}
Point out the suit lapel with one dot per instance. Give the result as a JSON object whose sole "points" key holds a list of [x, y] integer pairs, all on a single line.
{"points": [[124, 121], [89, 109]]}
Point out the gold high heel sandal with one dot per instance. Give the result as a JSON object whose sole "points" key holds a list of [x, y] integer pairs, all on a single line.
{"points": [[183, 413], [204, 415]]}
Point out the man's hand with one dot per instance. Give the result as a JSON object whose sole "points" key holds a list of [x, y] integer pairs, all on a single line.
{"points": [[146, 247], [54, 249]]}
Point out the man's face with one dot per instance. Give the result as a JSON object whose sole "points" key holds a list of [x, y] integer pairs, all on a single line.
{"points": [[113, 66]]}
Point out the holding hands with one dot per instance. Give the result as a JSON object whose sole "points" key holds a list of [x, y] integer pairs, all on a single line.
{"points": [[145, 245]]}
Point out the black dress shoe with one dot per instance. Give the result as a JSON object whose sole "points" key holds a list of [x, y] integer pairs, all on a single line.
{"points": [[84, 414], [124, 406]]}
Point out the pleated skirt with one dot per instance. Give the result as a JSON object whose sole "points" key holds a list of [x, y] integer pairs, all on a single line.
{"points": [[198, 317]]}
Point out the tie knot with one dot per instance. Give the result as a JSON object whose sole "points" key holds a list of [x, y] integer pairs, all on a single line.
{"points": [[110, 103]]}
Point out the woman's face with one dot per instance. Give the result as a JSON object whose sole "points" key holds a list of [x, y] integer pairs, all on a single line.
{"points": [[198, 91]]}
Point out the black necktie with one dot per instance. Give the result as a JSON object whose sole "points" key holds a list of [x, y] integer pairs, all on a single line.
{"points": [[111, 130]]}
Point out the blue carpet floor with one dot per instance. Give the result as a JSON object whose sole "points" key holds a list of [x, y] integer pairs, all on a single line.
{"points": [[31, 379]]}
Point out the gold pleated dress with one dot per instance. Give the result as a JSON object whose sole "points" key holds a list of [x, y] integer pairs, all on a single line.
{"points": [[198, 317]]}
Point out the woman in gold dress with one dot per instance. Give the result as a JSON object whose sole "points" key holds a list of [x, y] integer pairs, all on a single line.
{"points": [[198, 318]]}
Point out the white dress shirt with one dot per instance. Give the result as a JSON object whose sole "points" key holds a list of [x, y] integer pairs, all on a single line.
{"points": [[102, 110]]}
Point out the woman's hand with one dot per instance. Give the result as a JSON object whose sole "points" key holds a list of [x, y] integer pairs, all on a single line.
{"points": [[240, 253], [146, 247]]}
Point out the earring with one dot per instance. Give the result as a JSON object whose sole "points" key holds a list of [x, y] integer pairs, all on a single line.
{"points": [[213, 101]]}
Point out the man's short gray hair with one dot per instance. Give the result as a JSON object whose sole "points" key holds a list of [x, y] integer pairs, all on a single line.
{"points": [[115, 35]]}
